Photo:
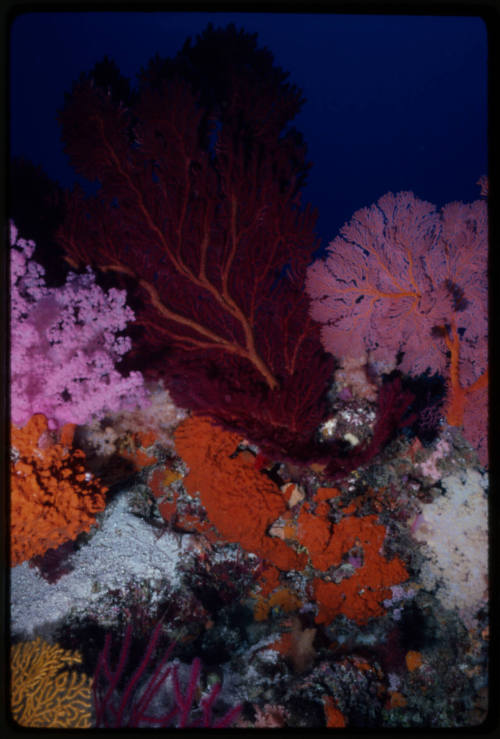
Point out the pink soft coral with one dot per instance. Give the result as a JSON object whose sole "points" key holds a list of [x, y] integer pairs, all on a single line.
{"points": [[64, 345]]}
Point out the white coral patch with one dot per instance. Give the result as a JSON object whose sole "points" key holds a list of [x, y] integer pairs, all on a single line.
{"points": [[455, 532]]}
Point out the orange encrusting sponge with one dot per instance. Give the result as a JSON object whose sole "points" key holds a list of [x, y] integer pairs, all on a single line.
{"points": [[53, 499]]}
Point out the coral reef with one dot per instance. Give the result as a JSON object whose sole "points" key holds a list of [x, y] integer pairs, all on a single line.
{"points": [[284, 524], [360, 595], [242, 503], [157, 418]]}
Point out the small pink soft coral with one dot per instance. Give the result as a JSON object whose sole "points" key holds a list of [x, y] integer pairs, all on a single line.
{"points": [[64, 345]]}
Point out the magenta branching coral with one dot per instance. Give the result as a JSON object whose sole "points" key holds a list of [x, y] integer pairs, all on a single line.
{"points": [[131, 707]]}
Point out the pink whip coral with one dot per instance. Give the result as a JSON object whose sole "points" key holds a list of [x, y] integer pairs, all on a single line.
{"points": [[404, 279], [130, 707], [64, 345]]}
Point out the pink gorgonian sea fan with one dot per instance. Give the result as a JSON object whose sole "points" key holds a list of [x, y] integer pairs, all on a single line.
{"points": [[405, 283]]}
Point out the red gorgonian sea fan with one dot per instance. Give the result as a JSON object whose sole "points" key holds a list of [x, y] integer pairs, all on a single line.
{"points": [[405, 279], [198, 207]]}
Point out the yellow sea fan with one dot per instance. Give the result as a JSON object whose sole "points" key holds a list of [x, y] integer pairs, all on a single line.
{"points": [[45, 691]]}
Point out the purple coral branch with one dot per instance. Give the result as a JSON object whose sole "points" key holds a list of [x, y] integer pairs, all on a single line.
{"points": [[140, 670], [185, 703], [110, 715], [157, 679], [103, 664], [228, 719]]}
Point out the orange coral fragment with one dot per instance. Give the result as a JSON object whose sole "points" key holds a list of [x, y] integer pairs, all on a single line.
{"points": [[168, 509], [334, 718], [397, 700], [147, 438], [240, 502], [289, 530], [349, 509], [282, 598], [413, 660], [326, 493], [269, 580], [67, 434], [170, 476], [161, 479], [285, 527], [135, 449], [52, 499], [159, 483], [293, 493]]}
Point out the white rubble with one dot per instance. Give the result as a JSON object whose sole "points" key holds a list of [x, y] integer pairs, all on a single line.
{"points": [[124, 549]]}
